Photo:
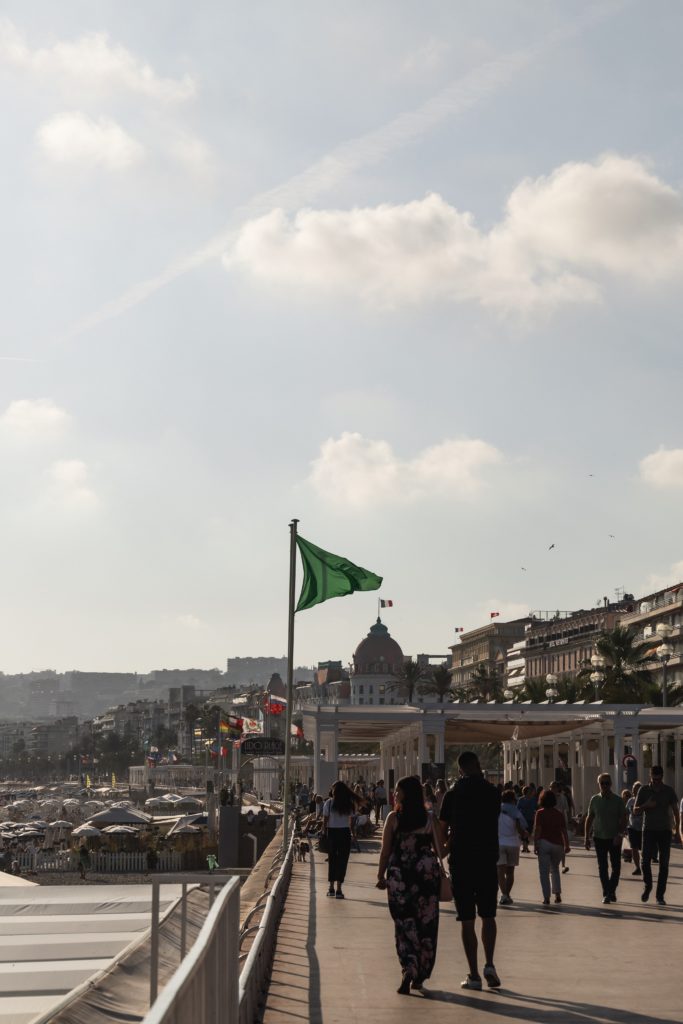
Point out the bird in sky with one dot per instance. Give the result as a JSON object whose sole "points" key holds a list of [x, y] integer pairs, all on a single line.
{"points": [[523, 568], [551, 547], [611, 535]]}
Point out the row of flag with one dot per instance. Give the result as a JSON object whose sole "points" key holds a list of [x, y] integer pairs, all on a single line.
{"points": [[492, 615]]}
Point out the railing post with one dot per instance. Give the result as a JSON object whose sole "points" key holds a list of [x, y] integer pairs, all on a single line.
{"points": [[231, 966], [154, 945], [183, 922]]}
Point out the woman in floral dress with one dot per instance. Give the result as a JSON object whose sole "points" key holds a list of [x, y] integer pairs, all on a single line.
{"points": [[409, 869]]}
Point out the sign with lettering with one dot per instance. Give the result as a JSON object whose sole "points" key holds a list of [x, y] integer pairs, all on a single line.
{"points": [[262, 746]]}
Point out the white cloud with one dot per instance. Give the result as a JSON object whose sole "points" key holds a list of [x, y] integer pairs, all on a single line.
{"points": [[192, 153], [72, 138], [38, 419], [189, 621], [69, 487], [659, 581], [663, 469], [559, 238], [359, 472], [94, 62], [426, 58]]}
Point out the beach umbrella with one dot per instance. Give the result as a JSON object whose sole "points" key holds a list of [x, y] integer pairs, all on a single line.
{"points": [[119, 816], [120, 830], [61, 824], [86, 830]]}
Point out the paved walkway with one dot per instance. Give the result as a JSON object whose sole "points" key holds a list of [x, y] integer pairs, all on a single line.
{"points": [[579, 963]]}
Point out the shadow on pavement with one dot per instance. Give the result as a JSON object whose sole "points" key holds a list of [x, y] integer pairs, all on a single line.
{"points": [[543, 1011]]}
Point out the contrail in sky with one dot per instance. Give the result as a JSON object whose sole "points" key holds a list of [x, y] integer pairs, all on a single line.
{"points": [[362, 151]]}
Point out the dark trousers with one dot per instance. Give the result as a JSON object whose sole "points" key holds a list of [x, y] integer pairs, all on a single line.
{"points": [[656, 840], [339, 846], [609, 855]]}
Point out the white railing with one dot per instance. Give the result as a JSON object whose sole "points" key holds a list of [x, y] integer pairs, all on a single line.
{"points": [[205, 987], [259, 960], [101, 862]]}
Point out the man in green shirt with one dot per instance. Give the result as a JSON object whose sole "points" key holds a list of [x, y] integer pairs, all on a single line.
{"points": [[658, 804], [607, 819]]}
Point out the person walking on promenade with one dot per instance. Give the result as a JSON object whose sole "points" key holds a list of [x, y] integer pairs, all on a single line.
{"points": [[512, 829], [409, 869], [551, 840], [337, 813], [562, 805], [440, 791], [658, 805], [469, 828], [528, 805], [608, 812], [635, 829], [380, 801]]}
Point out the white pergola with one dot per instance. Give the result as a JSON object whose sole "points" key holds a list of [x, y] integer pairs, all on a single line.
{"points": [[536, 739]]}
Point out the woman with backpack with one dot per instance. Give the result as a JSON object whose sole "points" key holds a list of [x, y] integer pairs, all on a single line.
{"points": [[409, 869]]}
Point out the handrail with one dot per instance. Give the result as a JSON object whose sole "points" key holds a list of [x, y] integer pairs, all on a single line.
{"points": [[200, 878], [205, 986], [258, 962]]}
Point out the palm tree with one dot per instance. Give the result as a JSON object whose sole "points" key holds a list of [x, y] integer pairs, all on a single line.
{"points": [[628, 680], [532, 689], [439, 683], [484, 684], [409, 676]]}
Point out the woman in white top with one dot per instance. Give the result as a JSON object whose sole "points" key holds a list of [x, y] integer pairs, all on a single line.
{"points": [[337, 813]]}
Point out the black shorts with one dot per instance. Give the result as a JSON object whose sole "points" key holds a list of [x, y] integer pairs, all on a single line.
{"points": [[475, 887], [635, 838]]}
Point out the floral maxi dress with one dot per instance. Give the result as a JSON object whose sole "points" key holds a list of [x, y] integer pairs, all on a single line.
{"points": [[413, 882]]}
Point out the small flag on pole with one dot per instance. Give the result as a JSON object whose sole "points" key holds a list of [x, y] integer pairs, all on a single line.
{"points": [[459, 629], [493, 615], [386, 604]]}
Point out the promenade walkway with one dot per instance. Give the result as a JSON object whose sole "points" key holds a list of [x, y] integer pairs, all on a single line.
{"points": [[578, 963]]}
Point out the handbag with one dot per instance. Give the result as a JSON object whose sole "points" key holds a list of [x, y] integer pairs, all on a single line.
{"points": [[445, 887]]}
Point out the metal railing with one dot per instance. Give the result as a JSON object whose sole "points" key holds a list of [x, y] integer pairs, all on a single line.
{"points": [[204, 989], [208, 987], [259, 960]]}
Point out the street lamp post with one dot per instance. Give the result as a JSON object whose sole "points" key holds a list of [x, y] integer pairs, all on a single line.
{"points": [[598, 674], [664, 652], [551, 692]]}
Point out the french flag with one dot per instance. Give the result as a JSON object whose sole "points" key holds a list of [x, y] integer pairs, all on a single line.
{"points": [[386, 604]]}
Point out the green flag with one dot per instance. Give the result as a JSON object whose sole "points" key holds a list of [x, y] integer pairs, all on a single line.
{"points": [[327, 575]]}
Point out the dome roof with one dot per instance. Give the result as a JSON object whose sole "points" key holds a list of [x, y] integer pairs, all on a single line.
{"points": [[378, 652]]}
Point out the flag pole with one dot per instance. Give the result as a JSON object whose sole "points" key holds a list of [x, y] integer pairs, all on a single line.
{"points": [[290, 679]]}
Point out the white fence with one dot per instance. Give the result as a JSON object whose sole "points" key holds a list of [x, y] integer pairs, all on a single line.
{"points": [[101, 863]]}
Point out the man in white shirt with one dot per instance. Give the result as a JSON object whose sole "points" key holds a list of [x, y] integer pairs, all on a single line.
{"points": [[512, 828]]}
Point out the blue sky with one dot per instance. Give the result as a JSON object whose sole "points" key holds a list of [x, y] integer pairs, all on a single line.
{"points": [[410, 275]]}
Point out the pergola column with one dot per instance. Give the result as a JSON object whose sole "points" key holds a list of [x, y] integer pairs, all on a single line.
{"points": [[618, 754]]}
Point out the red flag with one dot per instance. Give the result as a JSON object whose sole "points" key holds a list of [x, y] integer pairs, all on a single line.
{"points": [[493, 614]]}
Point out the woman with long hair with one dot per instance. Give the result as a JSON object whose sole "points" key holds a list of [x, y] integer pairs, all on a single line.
{"points": [[337, 813], [551, 842], [409, 869]]}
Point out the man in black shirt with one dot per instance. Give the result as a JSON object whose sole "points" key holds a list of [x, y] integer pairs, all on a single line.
{"points": [[469, 827]]}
